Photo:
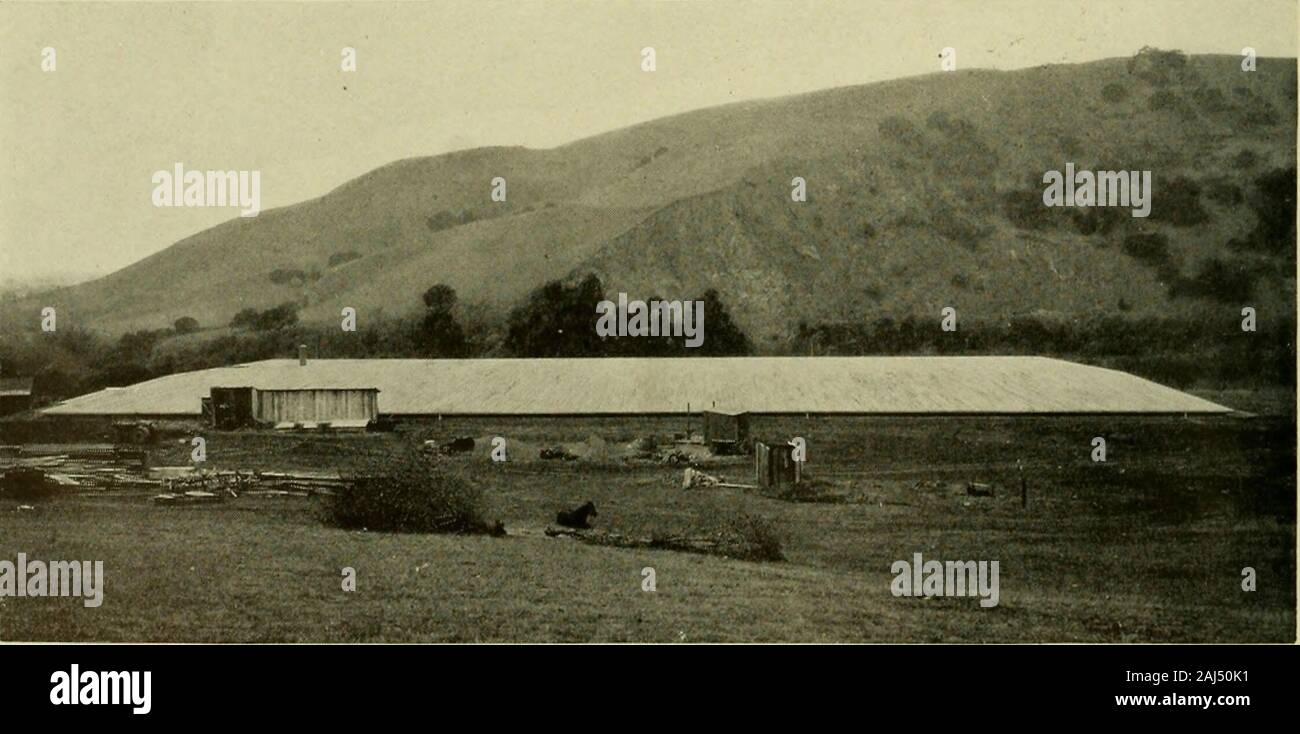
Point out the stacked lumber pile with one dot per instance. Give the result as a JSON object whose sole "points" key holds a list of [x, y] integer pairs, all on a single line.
{"points": [[694, 478], [95, 468], [92, 467], [297, 484], [203, 485]]}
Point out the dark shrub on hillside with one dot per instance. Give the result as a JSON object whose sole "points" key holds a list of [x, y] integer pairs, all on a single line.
{"points": [[1225, 193], [1276, 209], [958, 228], [279, 317], [411, 492], [1178, 202], [1114, 92], [1163, 100], [1097, 219], [943, 122], [282, 276], [900, 130], [1217, 280], [1246, 158], [244, 319], [1151, 248], [960, 147], [1254, 113], [185, 325], [1274, 205], [136, 346], [1025, 209], [1210, 99], [339, 258], [440, 221], [1158, 67]]}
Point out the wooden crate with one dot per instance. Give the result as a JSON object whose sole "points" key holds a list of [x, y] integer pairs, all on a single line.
{"points": [[726, 433], [774, 466]]}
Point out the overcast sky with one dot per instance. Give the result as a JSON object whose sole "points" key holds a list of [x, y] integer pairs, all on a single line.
{"points": [[139, 87]]}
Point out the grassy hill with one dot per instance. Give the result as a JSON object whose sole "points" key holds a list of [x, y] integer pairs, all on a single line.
{"points": [[921, 194]]}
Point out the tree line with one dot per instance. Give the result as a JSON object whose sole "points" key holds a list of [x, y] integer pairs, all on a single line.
{"points": [[556, 320]]}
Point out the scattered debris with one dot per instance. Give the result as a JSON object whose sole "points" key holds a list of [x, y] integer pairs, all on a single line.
{"points": [[676, 456], [134, 432], [644, 446], [558, 452], [693, 478], [457, 445], [193, 497]]}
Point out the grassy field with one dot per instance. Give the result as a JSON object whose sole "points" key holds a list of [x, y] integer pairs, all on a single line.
{"points": [[1148, 546]]}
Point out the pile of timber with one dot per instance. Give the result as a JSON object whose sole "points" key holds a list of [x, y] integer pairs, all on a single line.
{"points": [[101, 467], [297, 483], [94, 466], [183, 480]]}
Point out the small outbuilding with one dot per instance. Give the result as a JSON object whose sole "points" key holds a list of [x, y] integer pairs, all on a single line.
{"points": [[726, 433], [774, 466], [15, 395]]}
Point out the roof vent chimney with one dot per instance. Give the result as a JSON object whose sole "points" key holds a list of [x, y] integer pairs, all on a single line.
{"points": [[302, 355]]}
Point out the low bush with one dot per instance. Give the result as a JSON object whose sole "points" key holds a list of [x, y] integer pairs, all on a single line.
{"points": [[736, 534], [412, 492], [23, 483], [1151, 248]]}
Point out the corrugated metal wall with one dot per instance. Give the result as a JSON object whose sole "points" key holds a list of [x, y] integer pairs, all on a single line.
{"points": [[318, 406]]}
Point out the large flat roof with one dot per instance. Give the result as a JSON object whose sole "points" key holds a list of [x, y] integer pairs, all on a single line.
{"points": [[623, 386]]}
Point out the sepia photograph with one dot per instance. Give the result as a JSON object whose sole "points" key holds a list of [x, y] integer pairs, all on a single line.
{"points": [[818, 321]]}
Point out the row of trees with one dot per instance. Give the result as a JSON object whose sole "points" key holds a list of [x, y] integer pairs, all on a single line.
{"points": [[559, 320], [556, 320], [1178, 351]]}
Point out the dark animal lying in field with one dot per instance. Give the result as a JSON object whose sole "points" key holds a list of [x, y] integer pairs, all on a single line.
{"points": [[458, 445], [579, 518]]}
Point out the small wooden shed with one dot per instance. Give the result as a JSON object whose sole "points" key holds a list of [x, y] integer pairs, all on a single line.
{"points": [[726, 433], [15, 394], [774, 466]]}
